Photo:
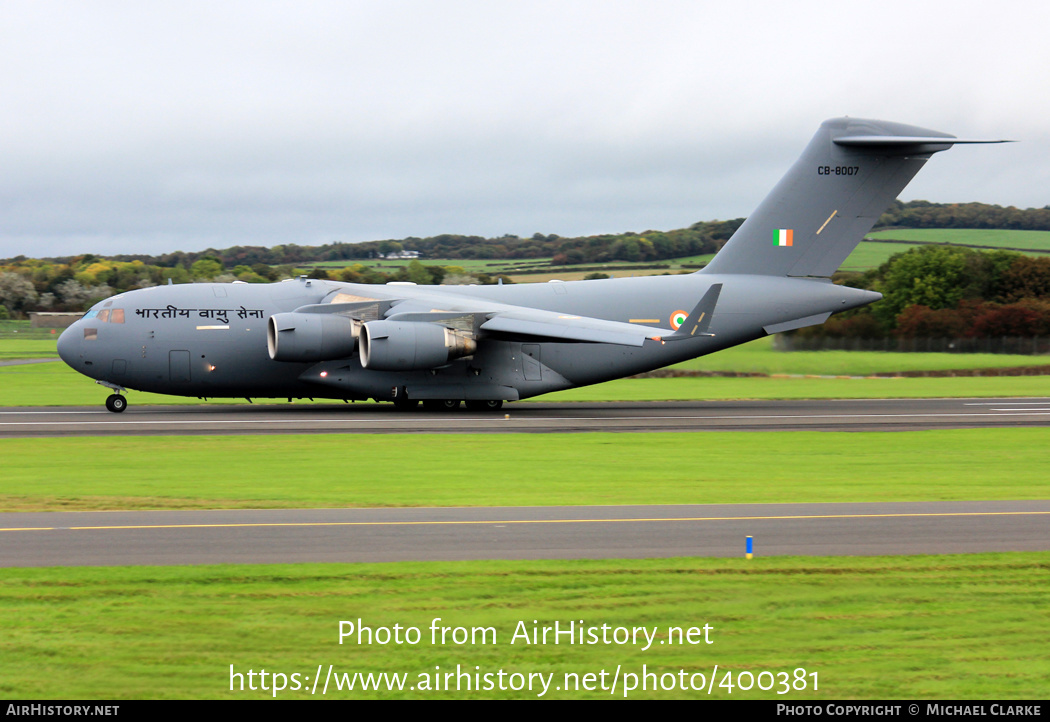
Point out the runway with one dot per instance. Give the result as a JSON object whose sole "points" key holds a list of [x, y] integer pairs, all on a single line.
{"points": [[524, 417], [383, 535], [377, 535]]}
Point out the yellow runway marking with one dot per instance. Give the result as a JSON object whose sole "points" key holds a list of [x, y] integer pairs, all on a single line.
{"points": [[530, 521]]}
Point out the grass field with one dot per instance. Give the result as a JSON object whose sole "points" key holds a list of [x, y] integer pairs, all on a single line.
{"points": [[869, 254], [714, 389], [931, 627], [872, 254], [54, 384], [1028, 240], [536, 270], [760, 356], [532, 469], [11, 349], [21, 331], [470, 265], [935, 627]]}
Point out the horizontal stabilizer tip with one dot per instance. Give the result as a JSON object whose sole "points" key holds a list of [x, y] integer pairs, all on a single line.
{"points": [[873, 141]]}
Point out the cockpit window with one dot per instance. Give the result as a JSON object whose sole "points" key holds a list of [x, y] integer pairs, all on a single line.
{"points": [[106, 315], [90, 334]]}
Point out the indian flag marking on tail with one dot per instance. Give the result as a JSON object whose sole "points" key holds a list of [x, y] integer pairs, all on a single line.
{"points": [[678, 318], [783, 236]]}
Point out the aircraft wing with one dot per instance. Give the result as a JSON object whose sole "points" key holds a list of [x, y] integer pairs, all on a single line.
{"points": [[468, 313], [581, 328], [566, 327]]}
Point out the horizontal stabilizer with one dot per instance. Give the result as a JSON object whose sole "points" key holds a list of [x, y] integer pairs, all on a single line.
{"points": [[876, 141], [814, 320]]}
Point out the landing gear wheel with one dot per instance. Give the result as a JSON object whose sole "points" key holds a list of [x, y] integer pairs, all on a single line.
{"points": [[441, 404], [484, 405], [116, 403], [403, 403]]}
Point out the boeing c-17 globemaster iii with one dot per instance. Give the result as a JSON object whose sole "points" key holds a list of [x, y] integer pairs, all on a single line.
{"points": [[484, 345]]}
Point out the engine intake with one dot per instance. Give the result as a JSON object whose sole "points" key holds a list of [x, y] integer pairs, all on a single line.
{"points": [[412, 345], [311, 336]]}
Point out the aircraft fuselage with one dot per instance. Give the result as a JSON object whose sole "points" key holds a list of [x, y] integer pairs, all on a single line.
{"points": [[209, 340]]}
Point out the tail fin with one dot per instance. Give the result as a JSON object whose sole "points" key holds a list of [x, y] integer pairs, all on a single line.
{"points": [[816, 215]]}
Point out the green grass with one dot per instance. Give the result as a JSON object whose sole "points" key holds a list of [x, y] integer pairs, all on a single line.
{"points": [[870, 254], [935, 627], [471, 265], [1031, 240], [715, 389], [11, 349], [296, 471], [761, 357], [533, 270], [22, 331]]}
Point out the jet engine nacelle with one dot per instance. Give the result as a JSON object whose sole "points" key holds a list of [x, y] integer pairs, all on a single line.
{"points": [[311, 336], [411, 345]]}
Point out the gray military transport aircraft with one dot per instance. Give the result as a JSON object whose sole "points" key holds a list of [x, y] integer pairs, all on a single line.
{"points": [[484, 345]]}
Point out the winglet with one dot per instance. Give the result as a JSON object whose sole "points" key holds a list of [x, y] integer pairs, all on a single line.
{"points": [[698, 321]]}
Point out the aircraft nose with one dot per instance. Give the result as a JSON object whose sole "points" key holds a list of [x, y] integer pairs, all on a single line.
{"points": [[69, 344]]}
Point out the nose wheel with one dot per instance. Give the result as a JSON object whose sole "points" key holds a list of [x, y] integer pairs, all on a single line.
{"points": [[116, 403]]}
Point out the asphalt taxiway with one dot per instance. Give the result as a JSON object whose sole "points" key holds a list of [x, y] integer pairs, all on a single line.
{"points": [[813, 415], [368, 535], [382, 535]]}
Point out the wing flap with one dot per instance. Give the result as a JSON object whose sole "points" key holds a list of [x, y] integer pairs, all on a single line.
{"points": [[571, 328], [361, 310]]}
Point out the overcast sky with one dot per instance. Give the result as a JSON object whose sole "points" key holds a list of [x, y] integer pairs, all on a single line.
{"points": [[132, 127]]}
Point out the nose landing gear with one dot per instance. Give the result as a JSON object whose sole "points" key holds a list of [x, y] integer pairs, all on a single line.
{"points": [[116, 403]]}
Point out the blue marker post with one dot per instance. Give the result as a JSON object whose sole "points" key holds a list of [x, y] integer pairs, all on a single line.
{"points": [[750, 547]]}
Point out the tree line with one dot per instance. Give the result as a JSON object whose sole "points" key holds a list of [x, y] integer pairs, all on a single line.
{"points": [[923, 214], [700, 238], [948, 292], [932, 290]]}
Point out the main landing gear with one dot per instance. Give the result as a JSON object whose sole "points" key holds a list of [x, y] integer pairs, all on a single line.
{"points": [[116, 403], [441, 404], [405, 404]]}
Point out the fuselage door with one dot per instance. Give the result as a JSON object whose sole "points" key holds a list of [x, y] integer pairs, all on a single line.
{"points": [[530, 362], [179, 366]]}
